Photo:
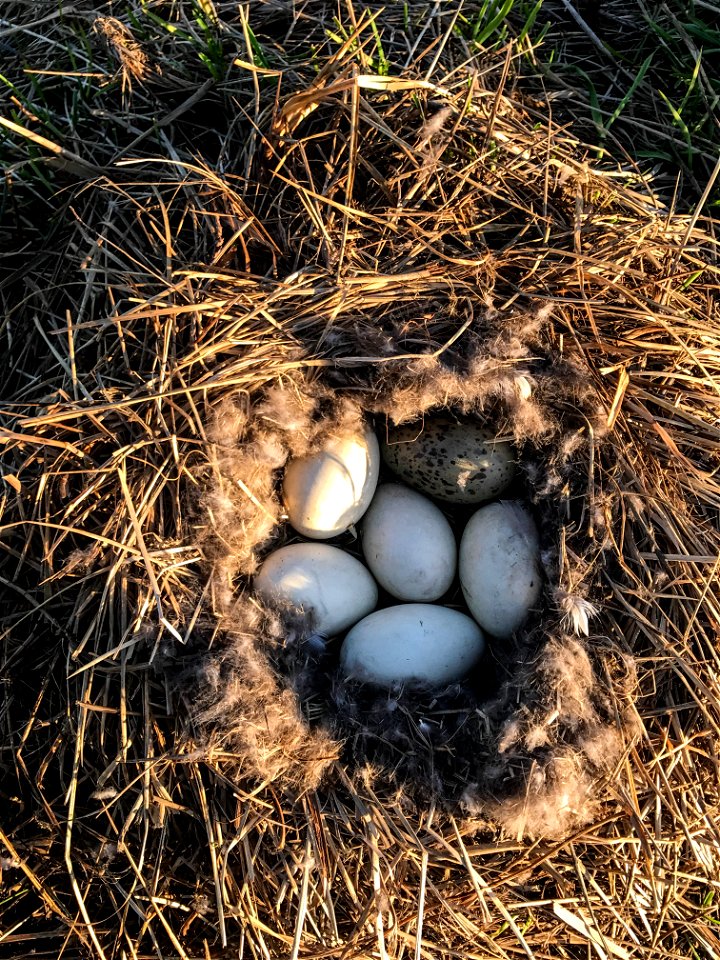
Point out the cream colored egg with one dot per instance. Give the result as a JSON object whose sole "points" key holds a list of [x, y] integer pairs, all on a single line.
{"points": [[320, 578], [458, 461], [329, 491], [500, 566], [408, 544], [412, 643]]}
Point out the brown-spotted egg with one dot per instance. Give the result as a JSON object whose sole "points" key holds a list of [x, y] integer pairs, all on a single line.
{"points": [[455, 461]]}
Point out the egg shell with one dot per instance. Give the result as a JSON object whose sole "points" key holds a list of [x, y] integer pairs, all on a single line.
{"points": [[412, 643], [408, 544], [320, 578], [454, 461], [500, 566], [328, 491]]}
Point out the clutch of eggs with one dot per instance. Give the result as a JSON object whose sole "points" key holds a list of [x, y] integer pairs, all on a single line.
{"points": [[409, 548]]}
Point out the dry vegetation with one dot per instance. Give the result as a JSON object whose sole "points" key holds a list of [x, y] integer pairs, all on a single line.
{"points": [[203, 202]]}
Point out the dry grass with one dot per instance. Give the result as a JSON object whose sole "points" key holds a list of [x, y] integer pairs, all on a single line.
{"points": [[645, 76], [193, 215]]}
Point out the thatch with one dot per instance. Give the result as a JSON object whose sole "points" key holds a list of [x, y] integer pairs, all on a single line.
{"points": [[355, 216]]}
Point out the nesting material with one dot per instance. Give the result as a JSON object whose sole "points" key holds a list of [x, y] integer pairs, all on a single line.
{"points": [[302, 249]]}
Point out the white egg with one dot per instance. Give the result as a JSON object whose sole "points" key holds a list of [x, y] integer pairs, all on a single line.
{"points": [[500, 566], [332, 584], [414, 642], [408, 544], [327, 492]]}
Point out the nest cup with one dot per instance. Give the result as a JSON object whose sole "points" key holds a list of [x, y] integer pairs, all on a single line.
{"points": [[533, 734]]}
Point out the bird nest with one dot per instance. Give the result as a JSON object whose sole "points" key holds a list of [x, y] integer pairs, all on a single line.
{"points": [[357, 245], [550, 715]]}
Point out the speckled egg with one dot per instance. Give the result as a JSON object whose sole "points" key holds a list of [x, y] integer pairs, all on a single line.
{"points": [[455, 461]]}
